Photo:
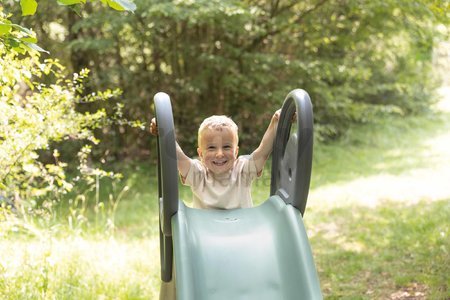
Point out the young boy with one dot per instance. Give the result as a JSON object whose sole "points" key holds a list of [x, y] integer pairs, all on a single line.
{"points": [[221, 179]]}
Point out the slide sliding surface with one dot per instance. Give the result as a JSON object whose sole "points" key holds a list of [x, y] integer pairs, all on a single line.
{"points": [[255, 253]]}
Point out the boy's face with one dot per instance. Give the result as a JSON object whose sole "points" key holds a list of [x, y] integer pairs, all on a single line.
{"points": [[218, 149]]}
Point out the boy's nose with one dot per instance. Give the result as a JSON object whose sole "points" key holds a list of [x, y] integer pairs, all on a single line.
{"points": [[219, 153]]}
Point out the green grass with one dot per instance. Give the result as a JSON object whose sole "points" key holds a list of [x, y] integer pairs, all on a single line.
{"points": [[395, 248], [78, 269], [372, 253]]}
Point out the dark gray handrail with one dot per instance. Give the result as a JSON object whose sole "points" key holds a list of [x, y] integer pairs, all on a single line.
{"points": [[167, 180], [292, 154]]}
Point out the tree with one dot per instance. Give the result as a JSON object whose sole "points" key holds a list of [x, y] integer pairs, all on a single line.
{"points": [[356, 58]]}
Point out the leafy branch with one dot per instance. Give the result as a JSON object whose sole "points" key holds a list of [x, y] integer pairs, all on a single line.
{"points": [[22, 39], [276, 10]]}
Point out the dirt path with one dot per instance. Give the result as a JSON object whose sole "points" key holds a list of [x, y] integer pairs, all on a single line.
{"points": [[429, 184]]}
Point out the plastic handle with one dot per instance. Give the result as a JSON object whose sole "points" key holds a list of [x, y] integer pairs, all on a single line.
{"points": [[292, 154], [167, 180], [167, 161]]}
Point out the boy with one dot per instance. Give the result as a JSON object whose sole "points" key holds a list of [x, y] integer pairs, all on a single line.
{"points": [[221, 179]]}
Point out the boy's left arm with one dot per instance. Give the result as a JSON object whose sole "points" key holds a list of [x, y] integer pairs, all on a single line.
{"points": [[261, 154]]}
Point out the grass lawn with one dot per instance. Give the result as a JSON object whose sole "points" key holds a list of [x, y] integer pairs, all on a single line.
{"points": [[377, 217]]}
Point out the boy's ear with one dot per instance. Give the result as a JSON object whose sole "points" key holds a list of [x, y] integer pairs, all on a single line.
{"points": [[237, 151], [199, 152]]}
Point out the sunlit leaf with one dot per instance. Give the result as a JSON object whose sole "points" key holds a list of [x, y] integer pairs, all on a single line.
{"points": [[29, 39], [23, 29], [28, 7], [36, 47], [70, 2], [5, 28], [122, 5]]}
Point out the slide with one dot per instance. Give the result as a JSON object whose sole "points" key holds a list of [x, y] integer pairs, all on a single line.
{"points": [[253, 253]]}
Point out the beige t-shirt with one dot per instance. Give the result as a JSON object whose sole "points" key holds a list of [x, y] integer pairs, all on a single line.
{"points": [[224, 191]]}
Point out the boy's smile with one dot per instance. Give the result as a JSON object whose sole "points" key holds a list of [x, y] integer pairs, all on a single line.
{"points": [[218, 149]]}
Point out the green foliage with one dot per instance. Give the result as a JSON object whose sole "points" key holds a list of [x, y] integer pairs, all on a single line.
{"points": [[34, 117], [16, 37], [42, 111], [29, 7], [23, 39], [357, 59]]}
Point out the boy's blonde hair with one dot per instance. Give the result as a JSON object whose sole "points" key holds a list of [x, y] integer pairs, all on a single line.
{"points": [[217, 122]]}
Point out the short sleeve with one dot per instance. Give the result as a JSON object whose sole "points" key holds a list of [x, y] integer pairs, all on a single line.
{"points": [[248, 169], [194, 175]]}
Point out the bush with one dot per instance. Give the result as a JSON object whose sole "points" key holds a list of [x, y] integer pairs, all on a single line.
{"points": [[35, 117]]}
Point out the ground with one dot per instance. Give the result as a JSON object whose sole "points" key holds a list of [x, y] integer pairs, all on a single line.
{"points": [[429, 183]]}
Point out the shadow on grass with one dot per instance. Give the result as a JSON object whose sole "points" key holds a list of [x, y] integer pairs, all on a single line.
{"points": [[366, 253]]}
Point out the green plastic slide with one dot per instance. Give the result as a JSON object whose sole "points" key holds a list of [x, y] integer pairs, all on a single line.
{"points": [[256, 253]]}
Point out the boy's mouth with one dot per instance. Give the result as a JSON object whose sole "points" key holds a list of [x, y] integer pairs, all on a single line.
{"points": [[220, 162]]}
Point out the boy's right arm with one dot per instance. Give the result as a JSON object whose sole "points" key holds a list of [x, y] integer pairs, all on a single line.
{"points": [[183, 161]]}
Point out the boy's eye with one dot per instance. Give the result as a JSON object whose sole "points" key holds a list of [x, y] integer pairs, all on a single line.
{"points": [[227, 147], [211, 147]]}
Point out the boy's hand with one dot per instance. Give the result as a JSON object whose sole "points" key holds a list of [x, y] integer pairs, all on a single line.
{"points": [[153, 127], [276, 117]]}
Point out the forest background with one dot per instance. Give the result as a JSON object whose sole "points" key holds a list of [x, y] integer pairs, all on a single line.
{"points": [[77, 81], [357, 60]]}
